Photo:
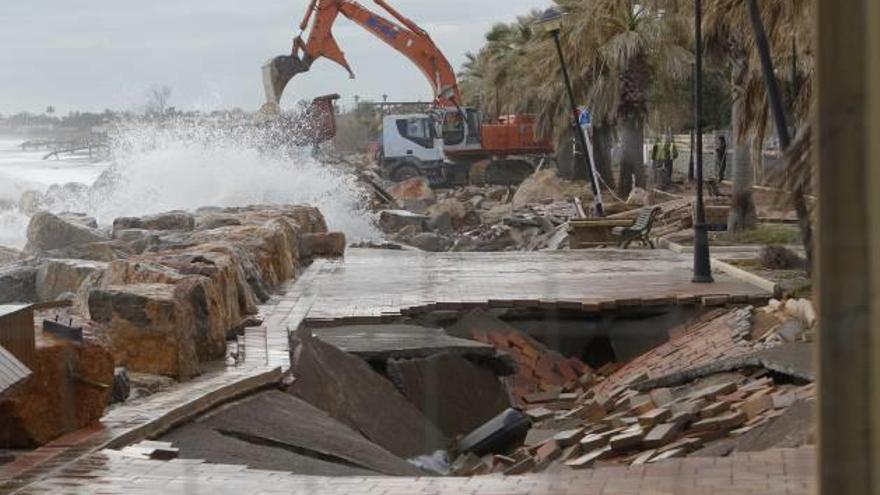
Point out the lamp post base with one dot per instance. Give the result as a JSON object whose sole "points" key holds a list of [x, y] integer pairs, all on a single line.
{"points": [[702, 265]]}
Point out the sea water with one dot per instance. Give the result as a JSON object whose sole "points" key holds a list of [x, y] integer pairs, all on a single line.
{"points": [[180, 165]]}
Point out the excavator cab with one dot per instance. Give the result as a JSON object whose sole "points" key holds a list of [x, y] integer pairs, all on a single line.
{"points": [[461, 128]]}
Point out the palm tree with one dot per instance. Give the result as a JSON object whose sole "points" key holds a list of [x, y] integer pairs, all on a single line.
{"points": [[632, 45], [471, 79], [503, 53], [727, 39], [789, 25]]}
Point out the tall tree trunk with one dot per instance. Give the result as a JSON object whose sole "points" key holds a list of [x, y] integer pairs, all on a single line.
{"points": [[631, 154], [772, 84], [602, 142], [742, 214]]}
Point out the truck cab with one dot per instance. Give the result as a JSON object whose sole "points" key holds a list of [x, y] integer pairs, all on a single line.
{"points": [[416, 144], [410, 146]]}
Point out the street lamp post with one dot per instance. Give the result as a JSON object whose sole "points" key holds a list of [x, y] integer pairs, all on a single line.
{"points": [[551, 22], [702, 265]]}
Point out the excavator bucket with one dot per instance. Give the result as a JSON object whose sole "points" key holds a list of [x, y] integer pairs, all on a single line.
{"points": [[276, 74]]}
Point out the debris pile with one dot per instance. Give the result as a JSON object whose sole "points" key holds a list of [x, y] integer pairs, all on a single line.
{"points": [[530, 217], [541, 373], [705, 392]]}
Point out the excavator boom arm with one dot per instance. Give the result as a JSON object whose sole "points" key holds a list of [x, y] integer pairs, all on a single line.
{"points": [[404, 36]]}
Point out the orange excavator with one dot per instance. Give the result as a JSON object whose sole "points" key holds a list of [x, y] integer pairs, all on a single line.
{"points": [[445, 143]]}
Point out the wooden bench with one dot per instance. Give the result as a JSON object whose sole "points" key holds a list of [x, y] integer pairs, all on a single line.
{"points": [[640, 230]]}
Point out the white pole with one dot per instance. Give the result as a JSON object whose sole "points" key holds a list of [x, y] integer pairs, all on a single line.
{"points": [[587, 130]]}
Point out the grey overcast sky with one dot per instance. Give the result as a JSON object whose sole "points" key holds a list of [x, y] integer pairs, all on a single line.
{"points": [[97, 54]]}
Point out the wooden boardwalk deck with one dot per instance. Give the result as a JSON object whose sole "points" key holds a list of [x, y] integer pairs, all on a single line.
{"points": [[370, 284]]}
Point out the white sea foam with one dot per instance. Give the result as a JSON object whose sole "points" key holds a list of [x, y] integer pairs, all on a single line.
{"points": [[185, 165]]}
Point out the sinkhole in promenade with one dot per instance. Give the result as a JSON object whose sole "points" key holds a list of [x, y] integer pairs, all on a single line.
{"points": [[401, 397]]}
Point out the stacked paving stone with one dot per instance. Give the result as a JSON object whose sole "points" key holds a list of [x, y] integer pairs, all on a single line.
{"points": [[541, 372], [609, 416]]}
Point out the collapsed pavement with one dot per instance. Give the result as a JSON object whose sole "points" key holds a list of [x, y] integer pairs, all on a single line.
{"points": [[527, 407]]}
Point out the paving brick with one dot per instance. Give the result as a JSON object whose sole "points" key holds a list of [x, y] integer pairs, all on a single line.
{"points": [[521, 467], [593, 441], [669, 454], [662, 434], [589, 458], [539, 413], [547, 452], [756, 404], [644, 457], [569, 437], [654, 417], [714, 409], [626, 440]]}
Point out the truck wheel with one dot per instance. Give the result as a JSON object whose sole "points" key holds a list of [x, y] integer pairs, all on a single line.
{"points": [[404, 172], [508, 172]]}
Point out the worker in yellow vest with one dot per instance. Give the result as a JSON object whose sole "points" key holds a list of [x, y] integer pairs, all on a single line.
{"points": [[663, 155], [658, 160]]}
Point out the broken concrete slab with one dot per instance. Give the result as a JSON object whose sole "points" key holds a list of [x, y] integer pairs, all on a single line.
{"points": [[793, 359], [793, 428], [291, 435], [397, 341], [454, 393], [348, 389]]}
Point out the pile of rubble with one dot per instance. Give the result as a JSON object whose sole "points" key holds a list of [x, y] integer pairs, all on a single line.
{"points": [[387, 398], [710, 390], [530, 217]]}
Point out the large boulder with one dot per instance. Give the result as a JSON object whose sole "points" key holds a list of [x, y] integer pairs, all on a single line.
{"points": [[9, 256], [309, 219], [215, 220], [413, 188], [59, 276], [151, 328], [393, 221], [430, 241], [218, 292], [273, 246], [30, 202], [18, 283], [349, 390], [47, 231], [327, 244], [455, 209], [540, 187], [94, 251], [172, 220], [79, 218], [69, 388], [139, 240], [413, 194]]}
